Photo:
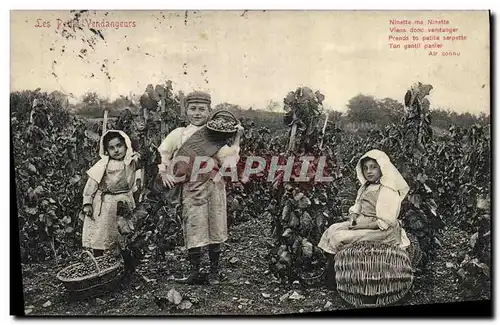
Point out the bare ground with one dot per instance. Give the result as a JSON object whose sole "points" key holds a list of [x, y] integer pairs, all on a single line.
{"points": [[248, 289]]}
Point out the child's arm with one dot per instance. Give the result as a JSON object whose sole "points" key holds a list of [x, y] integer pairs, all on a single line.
{"points": [[365, 223], [229, 156], [167, 148], [139, 161], [89, 191], [355, 209], [88, 196], [388, 206]]}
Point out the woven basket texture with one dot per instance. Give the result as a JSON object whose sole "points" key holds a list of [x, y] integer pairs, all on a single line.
{"points": [[92, 284], [373, 274], [414, 251]]}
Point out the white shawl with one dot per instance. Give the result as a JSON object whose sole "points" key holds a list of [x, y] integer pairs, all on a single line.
{"points": [[393, 189], [96, 172]]}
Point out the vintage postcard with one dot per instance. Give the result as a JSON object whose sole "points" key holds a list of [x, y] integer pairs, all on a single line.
{"points": [[252, 162]]}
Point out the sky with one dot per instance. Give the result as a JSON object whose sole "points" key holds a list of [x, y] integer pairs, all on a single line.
{"points": [[249, 58]]}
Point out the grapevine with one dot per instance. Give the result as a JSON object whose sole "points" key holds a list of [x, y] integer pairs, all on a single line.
{"points": [[449, 177]]}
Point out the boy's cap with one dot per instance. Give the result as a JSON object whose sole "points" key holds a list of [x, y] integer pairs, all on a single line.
{"points": [[198, 97]]}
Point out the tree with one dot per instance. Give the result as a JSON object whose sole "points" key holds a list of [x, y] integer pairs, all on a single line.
{"points": [[363, 108], [334, 115], [92, 105], [227, 106], [445, 118], [391, 110], [61, 98], [122, 103], [272, 106], [90, 98], [484, 119]]}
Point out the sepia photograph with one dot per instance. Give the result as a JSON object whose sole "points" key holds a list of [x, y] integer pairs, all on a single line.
{"points": [[250, 162]]}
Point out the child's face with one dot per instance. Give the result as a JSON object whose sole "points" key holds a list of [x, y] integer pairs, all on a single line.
{"points": [[371, 171], [117, 149], [198, 113]]}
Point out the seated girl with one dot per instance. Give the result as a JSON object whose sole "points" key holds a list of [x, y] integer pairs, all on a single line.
{"points": [[373, 217]]}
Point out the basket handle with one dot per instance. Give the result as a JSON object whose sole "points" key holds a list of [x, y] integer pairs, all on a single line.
{"points": [[93, 259]]}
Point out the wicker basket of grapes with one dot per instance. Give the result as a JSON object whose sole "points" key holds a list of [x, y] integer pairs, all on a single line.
{"points": [[223, 121], [91, 277]]}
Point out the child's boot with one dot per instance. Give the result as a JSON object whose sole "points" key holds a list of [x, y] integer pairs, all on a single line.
{"points": [[194, 267], [214, 254]]}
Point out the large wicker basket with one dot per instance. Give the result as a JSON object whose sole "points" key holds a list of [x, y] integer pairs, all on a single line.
{"points": [[373, 274], [92, 285], [414, 251]]}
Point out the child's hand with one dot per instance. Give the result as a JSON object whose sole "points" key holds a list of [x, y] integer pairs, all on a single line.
{"points": [[124, 226], [168, 180], [353, 219], [136, 156], [240, 130], [365, 223], [87, 211]]}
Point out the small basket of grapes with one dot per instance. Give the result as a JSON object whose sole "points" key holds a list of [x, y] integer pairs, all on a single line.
{"points": [[223, 121], [91, 277]]}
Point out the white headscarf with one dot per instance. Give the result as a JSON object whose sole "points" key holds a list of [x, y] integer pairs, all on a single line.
{"points": [[96, 172], [390, 175]]}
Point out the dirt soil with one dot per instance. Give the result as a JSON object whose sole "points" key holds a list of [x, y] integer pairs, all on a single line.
{"points": [[249, 288]]}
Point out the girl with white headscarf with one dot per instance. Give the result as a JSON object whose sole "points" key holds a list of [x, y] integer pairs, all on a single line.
{"points": [[374, 215], [111, 180]]}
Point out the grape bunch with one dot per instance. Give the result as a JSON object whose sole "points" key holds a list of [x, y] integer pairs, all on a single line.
{"points": [[222, 124], [88, 267], [106, 261], [80, 270]]}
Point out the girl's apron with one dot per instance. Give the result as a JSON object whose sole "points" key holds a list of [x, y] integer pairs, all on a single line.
{"points": [[116, 186], [339, 234]]}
